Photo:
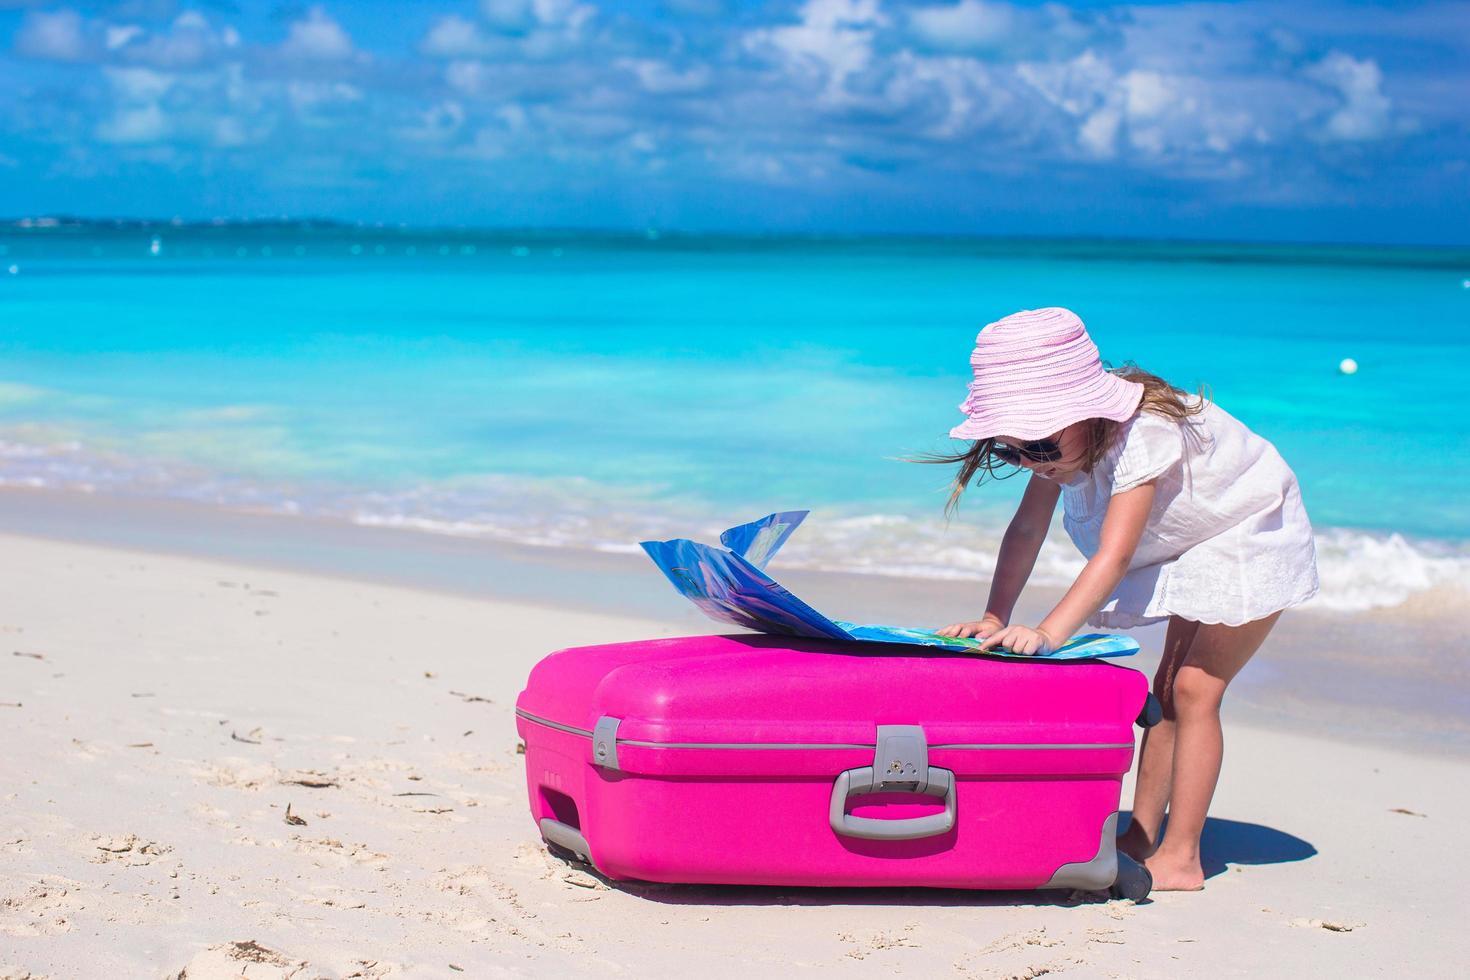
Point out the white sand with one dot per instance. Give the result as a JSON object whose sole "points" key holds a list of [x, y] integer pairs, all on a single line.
{"points": [[155, 711]]}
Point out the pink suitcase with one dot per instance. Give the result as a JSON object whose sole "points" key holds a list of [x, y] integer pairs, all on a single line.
{"points": [[768, 760]]}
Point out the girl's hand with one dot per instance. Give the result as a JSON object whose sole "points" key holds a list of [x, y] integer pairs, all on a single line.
{"points": [[979, 628], [1021, 639]]}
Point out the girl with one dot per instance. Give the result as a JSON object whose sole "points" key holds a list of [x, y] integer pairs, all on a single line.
{"points": [[1183, 514]]}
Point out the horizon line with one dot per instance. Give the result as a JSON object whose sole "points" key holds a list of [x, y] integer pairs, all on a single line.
{"points": [[652, 233]]}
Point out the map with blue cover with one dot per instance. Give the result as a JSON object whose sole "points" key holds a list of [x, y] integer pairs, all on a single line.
{"points": [[730, 585]]}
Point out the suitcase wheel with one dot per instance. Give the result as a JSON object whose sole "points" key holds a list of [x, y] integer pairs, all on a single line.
{"points": [[1133, 882], [1151, 713]]}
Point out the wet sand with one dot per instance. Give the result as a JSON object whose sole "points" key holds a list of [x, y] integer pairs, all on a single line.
{"points": [[1395, 676]]}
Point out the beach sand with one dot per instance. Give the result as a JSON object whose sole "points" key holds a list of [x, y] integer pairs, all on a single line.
{"points": [[245, 766]]}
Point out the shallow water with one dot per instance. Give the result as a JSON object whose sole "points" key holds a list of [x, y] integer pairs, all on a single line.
{"points": [[597, 390]]}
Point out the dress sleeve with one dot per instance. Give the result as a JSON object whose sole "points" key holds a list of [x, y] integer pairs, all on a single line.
{"points": [[1151, 446]]}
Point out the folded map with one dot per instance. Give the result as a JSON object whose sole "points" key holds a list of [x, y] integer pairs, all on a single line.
{"points": [[730, 584]]}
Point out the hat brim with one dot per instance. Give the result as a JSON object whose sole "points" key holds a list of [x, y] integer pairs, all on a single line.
{"points": [[1045, 413]]}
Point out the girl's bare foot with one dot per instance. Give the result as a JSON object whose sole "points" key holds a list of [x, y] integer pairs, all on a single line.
{"points": [[1135, 843], [1172, 874]]}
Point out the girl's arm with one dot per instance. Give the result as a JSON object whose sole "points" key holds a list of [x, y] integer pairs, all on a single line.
{"points": [[1121, 528], [1018, 551]]}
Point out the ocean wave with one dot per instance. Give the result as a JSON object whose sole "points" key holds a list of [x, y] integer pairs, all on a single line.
{"points": [[1359, 570]]}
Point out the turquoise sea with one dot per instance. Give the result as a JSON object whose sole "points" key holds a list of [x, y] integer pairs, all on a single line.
{"points": [[594, 390]]}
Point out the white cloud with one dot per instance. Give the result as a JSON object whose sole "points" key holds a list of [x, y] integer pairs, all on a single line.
{"points": [[1010, 32], [661, 78], [310, 95], [57, 36], [1147, 93], [230, 132], [513, 117], [567, 14], [317, 38], [138, 84], [1364, 113], [559, 30], [238, 91], [833, 41], [1098, 135], [136, 124], [871, 88], [468, 77], [437, 123], [1075, 86], [970, 25], [1163, 117], [1150, 140], [508, 16], [540, 29], [189, 41], [455, 37], [119, 35], [945, 97]]}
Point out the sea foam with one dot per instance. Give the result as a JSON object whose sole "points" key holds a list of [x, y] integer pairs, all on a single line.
{"points": [[1359, 569]]}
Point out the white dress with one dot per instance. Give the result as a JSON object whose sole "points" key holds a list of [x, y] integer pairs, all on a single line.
{"points": [[1227, 541]]}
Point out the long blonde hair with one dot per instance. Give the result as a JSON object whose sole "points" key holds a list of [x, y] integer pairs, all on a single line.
{"points": [[981, 461]]}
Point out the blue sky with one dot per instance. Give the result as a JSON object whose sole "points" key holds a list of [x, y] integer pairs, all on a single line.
{"points": [[1284, 121]]}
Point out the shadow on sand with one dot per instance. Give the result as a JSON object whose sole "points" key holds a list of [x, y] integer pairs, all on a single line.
{"points": [[1225, 842], [768, 895]]}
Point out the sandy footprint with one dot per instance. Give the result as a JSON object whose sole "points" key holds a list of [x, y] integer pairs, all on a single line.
{"points": [[310, 778], [494, 906], [370, 970], [537, 860], [1029, 939], [237, 773], [342, 854], [1329, 924], [244, 960], [864, 946], [43, 909], [478, 762], [126, 849], [214, 816], [534, 859], [330, 896], [1020, 955]]}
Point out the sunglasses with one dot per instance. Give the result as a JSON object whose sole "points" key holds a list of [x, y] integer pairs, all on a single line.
{"points": [[1033, 451]]}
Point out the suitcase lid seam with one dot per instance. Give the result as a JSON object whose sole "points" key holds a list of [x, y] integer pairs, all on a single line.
{"points": [[642, 743]]}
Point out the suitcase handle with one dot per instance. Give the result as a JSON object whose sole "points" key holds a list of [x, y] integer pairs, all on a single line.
{"points": [[858, 782]]}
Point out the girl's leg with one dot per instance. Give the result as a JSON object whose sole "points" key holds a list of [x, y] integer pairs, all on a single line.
{"points": [[1214, 658], [1156, 756]]}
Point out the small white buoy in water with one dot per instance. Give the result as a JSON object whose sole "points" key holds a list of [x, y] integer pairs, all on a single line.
{"points": [[1348, 366], [14, 270], [155, 247]]}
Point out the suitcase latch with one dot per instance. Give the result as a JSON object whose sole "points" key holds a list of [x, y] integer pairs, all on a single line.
{"points": [[605, 742], [901, 759]]}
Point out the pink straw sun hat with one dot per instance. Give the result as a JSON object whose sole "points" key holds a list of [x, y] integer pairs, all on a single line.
{"points": [[1037, 372]]}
